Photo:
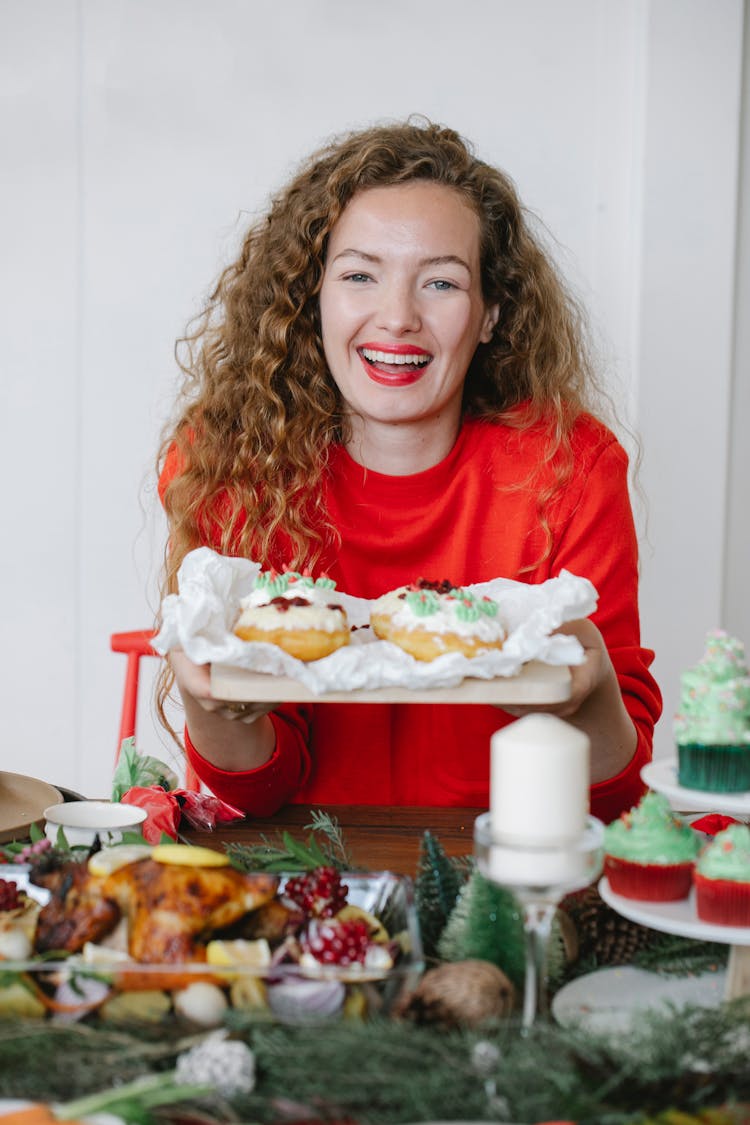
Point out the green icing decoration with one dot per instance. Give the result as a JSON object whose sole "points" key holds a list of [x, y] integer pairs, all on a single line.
{"points": [[651, 833], [465, 605], [715, 696], [728, 855], [470, 608], [279, 583], [423, 603]]}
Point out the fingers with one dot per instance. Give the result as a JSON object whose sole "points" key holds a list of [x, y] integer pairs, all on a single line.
{"points": [[241, 712], [562, 710], [194, 683], [584, 678]]}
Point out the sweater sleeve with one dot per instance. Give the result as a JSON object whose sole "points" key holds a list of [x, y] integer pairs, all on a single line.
{"points": [[262, 791], [598, 541]]}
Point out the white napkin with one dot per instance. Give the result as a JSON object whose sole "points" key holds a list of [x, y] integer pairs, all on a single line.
{"points": [[200, 617]]}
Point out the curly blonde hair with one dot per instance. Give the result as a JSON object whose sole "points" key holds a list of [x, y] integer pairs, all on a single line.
{"points": [[260, 410]]}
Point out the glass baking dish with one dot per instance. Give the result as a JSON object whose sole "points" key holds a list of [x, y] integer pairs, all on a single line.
{"points": [[104, 984]]}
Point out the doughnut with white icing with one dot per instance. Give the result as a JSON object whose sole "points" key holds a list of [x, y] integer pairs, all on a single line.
{"points": [[428, 619], [298, 613]]}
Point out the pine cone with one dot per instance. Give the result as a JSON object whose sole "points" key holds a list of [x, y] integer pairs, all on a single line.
{"points": [[460, 994], [603, 934]]}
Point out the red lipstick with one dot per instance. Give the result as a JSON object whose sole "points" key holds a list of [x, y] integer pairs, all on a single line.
{"points": [[393, 349], [400, 370]]}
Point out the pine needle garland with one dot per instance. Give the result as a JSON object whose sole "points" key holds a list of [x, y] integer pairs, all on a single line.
{"points": [[389, 1072], [668, 953]]}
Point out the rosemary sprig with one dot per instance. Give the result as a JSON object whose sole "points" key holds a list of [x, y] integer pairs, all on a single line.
{"points": [[324, 847]]}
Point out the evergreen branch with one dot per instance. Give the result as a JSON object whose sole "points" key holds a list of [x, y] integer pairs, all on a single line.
{"points": [[329, 826], [681, 956], [284, 853], [382, 1071]]}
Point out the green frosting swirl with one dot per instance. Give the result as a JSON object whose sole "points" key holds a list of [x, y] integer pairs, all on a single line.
{"points": [[423, 603], [465, 605], [651, 833], [471, 608], [728, 855], [715, 696], [279, 583]]}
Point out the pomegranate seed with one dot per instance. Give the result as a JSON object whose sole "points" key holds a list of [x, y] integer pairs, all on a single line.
{"points": [[337, 943], [319, 893], [9, 899]]}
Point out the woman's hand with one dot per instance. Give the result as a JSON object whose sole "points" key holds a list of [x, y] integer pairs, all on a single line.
{"points": [[194, 680], [585, 677], [595, 705], [232, 736]]}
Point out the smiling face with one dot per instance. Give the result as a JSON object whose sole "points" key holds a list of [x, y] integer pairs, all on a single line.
{"points": [[402, 313]]}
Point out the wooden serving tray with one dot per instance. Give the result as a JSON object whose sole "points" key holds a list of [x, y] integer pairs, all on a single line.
{"points": [[535, 683]]}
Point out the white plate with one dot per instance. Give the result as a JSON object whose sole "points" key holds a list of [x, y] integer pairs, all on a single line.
{"points": [[22, 803], [662, 776], [673, 917], [612, 999]]}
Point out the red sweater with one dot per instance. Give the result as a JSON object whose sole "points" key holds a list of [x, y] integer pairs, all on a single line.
{"points": [[470, 518]]}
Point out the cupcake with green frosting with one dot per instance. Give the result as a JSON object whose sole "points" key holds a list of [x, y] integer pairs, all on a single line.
{"points": [[650, 852], [722, 878], [712, 726]]}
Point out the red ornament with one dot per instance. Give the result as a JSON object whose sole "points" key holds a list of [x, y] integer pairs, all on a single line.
{"points": [[163, 811]]}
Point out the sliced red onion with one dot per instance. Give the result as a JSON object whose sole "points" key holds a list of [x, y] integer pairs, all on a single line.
{"points": [[79, 996], [303, 1001]]}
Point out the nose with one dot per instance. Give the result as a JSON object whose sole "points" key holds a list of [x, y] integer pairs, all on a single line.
{"points": [[398, 308]]}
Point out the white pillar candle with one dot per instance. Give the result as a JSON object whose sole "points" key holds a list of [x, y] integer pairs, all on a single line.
{"points": [[539, 781], [537, 867]]}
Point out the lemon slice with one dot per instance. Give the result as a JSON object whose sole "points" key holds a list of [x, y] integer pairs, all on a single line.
{"points": [[119, 855], [256, 954], [94, 954], [185, 855], [349, 912]]}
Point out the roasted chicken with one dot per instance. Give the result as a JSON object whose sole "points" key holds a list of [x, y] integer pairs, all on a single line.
{"points": [[173, 910], [77, 911]]}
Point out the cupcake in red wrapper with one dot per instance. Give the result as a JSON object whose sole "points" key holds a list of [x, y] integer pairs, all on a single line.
{"points": [[722, 878], [650, 852]]}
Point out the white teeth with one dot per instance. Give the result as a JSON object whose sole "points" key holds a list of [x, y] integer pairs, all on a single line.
{"points": [[396, 358]]}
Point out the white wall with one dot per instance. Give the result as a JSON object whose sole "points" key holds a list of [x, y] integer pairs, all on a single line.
{"points": [[137, 139]]}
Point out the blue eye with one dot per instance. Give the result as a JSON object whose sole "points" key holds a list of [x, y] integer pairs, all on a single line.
{"points": [[359, 277], [442, 285]]}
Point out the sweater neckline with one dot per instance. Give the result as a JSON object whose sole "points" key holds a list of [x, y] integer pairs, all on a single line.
{"points": [[427, 483]]}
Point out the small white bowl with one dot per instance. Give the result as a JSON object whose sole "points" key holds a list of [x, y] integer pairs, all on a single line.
{"points": [[83, 821]]}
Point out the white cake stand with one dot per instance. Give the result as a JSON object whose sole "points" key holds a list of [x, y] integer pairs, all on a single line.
{"points": [[662, 776], [680, 917]]}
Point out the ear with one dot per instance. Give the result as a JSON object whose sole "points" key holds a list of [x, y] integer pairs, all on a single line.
{"points": [[492, 312]]}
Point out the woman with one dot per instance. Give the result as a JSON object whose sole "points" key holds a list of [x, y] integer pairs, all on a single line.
{"points": [[391, 382]]}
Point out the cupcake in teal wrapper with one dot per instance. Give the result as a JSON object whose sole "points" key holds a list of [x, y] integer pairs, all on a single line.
{"points": [[712, 727], [650, 852], [722, 878]]}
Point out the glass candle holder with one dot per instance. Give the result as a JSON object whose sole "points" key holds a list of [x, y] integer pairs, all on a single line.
{"points": [[539, 875]]}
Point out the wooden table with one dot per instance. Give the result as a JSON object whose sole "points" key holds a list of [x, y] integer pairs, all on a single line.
{"points": [[380, 838]]}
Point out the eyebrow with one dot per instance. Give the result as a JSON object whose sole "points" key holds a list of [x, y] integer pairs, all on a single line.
{"points": [[438, 260]]}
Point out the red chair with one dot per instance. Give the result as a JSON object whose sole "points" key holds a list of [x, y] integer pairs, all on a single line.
{"points": [[135, 645]]}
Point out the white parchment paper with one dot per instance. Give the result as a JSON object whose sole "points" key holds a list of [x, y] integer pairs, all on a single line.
{"points": [[200, 617]]}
